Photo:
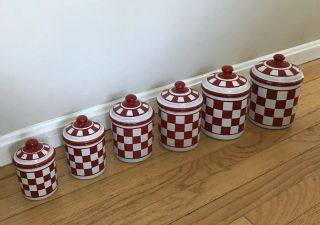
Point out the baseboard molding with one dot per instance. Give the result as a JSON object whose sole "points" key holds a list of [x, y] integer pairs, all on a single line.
{"points": [[50, 131]]}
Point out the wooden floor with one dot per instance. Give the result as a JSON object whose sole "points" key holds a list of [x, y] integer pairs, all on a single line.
{"points": [[263, 178]]}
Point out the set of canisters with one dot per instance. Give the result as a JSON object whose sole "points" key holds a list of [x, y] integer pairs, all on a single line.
{"points": [[270, 99]]}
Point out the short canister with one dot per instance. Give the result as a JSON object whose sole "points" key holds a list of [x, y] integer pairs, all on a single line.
{"points": [[36, 169], [85, 147]]}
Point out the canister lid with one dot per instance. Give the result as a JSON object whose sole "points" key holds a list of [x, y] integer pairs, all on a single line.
{"points": [[226, 83], [277, 72], [131, 111], [180, 98], [83, 131], [33, 154]]}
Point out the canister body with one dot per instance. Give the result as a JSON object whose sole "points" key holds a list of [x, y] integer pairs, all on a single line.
{"points": [[179, 131], [38, 183], [86, 161], [273, 107], [223, 117], [36, 169], [132, 143]]}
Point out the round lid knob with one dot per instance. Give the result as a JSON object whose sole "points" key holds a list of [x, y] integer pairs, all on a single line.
{"points": [[279, 58], [180, 87], [227, 72], [82, 121], [131, 101], [32, 145]]}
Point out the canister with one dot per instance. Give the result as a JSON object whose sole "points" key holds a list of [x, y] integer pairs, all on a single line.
{"points": [[85, 148], [132, 124], [225, 100], [179, 117], [36, 169], [275, 91]]}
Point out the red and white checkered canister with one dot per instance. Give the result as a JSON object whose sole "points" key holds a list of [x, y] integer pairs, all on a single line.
{"points": [[131, 122], [225, 98], [85, 147], [36, 170], [179, 117], [275, 92]]}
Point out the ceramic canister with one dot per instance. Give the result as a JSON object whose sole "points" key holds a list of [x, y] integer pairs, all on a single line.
{"points": [[131, 122], [179, 117], [225, 98], [85, 147], [274, 93], [36, 169]]}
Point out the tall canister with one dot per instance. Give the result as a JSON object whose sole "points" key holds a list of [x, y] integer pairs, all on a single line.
{"points": [[275, 92]]}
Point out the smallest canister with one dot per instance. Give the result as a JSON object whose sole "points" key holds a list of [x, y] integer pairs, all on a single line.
{"points": [[131, 122], [85, 147], [225, 102], [36, 169], [179, 117]]}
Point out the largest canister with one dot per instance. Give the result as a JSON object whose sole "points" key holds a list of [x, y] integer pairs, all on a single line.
{"points": [[275, 92]]}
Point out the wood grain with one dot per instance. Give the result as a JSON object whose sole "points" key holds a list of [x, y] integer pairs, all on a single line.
{"points": [[241, 221], [311, 217], [290, 204], [217, 183]]}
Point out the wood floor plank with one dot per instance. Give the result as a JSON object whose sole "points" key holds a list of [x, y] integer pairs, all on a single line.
{"points": [[241, 200], [311, 70], [289, 204], [311, 217], [241, 221]]}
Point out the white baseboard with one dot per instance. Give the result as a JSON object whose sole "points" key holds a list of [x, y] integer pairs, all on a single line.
{"points": [[50, 131]]}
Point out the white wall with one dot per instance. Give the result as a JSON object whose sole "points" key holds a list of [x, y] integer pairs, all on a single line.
{"points": [[60, 56]]}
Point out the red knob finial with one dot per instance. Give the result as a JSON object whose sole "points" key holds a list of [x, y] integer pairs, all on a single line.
{"points": [[227, 72], [32, 143], [227, 69], [180, 87], [131, 100], [279, 57], [81, 120]]}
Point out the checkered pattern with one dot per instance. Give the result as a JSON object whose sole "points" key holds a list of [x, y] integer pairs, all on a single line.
{"points": [[179, 131], [40, 183], [223, 117], [22, 154], [273, 108], [132, 143], [85, 162]]}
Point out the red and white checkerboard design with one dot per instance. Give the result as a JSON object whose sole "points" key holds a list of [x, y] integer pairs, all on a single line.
{"points": [[132, 144], [179, 132], [39, 184], [223, 119], [273, 109], [86, 163]]}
